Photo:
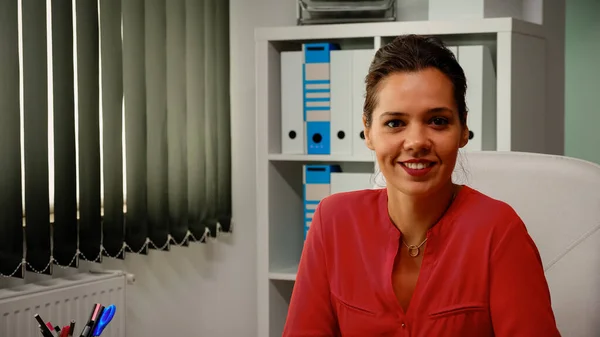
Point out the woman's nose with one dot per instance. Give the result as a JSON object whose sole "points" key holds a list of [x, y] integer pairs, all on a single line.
{"points": [[416, 138]]}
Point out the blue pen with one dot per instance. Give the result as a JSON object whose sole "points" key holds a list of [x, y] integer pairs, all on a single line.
{"points": [[107, 316]]}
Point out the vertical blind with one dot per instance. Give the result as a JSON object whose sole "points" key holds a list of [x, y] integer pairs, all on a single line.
{"points": [[114, 129]]}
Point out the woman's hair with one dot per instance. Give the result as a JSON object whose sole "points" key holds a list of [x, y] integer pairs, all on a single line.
{"points": [[410, 53]]}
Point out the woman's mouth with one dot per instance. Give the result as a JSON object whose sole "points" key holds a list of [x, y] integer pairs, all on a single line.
{"points": [[417, 168]]}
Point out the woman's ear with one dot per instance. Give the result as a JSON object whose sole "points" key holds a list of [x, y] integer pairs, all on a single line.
{"points": [[366, 132], [464, 137]]}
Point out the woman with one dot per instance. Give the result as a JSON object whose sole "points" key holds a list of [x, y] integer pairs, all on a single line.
{"points": [[423, 257]]}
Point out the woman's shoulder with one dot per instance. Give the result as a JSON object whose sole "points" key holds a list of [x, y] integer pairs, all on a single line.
{"points": [[351, 202], [351, 209], [475, 199], [477, 209], [349, 220]]}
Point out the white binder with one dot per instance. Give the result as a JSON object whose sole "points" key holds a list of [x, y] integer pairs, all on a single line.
{"points": [[292, 118], [475, 9], [476, 62], [341, 102], [361, 61], [347, 182]]}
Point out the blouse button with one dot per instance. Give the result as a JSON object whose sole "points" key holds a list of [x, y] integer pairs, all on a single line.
{"points": [[403, 325]]}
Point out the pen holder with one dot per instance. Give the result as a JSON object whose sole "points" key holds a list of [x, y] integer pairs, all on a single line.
{"points": [[99, 319]]}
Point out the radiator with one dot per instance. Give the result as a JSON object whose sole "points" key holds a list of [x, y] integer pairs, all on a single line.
{"points": [[62, 300]]}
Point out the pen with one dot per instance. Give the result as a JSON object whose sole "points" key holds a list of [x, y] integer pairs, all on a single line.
{"points": [[45, 331], [94, 321], [72, 329], [50, 327], [104, 320], [87, 329], [55, 328]]}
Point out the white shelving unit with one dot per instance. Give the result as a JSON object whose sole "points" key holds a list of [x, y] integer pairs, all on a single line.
{"points": [[518, 51]]}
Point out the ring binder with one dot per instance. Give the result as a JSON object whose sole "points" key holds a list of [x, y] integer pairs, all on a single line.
{"points": [[317, 96]]}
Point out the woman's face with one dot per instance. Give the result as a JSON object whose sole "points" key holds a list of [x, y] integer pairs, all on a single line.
{"points": [[416, 131]]}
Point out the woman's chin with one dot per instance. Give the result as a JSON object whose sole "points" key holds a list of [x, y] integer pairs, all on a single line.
{"points": [[415, 188]]}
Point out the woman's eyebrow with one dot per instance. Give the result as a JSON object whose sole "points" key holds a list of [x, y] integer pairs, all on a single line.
{"points": [[402, 114]]}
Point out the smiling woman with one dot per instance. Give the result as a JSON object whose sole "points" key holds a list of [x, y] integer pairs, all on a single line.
{"points": [[424, 256], [416, 130]]}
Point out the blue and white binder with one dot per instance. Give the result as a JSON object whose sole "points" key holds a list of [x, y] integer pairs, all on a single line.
{"points": [[361, 62], [317, 96], [341, 102], [476, 62], [316, 186], [292, 102]]}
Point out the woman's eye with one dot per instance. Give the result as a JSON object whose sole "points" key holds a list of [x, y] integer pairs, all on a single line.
{"points": [[439, 121], [393, 123]]}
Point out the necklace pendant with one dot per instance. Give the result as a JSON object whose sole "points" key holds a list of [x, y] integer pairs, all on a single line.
{"points": [[413, 251]]}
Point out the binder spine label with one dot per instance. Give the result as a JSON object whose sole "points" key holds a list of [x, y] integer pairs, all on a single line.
{"points": [[316, 86]]}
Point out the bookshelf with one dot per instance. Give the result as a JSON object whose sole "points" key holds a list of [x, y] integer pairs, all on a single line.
{"points": [[517, 50]]}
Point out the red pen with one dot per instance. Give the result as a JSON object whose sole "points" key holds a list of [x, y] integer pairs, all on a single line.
{"points": [[52, 328]]}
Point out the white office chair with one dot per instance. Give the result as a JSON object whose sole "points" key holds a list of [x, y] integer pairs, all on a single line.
{"points": [[558, 198]]}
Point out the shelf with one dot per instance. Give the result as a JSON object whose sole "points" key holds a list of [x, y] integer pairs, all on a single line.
{"points": [[384, 29], [284, 274], [320, 158]]}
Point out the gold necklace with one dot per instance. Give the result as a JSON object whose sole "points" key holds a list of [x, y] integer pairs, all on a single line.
{"points": [[414, 251]]}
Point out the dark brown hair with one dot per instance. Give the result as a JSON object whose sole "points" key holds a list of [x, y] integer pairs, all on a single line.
{"points": [[408, 53]]}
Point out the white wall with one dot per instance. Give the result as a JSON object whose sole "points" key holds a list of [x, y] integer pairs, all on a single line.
{"points": [[582, 80]]}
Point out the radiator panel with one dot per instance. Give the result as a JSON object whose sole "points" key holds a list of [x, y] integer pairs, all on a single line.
{"points": [[60, 301]]}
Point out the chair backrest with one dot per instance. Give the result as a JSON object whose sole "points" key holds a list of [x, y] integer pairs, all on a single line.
{"points": [[558, 198]]}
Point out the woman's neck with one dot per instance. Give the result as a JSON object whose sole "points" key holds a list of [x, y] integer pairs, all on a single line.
{"points": [[413, 216]]}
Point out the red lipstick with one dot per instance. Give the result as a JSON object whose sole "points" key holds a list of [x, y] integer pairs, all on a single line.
{"points": [[417, 167]]}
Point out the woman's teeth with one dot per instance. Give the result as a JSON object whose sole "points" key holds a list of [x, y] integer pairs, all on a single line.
{"points": [[417, 166]]}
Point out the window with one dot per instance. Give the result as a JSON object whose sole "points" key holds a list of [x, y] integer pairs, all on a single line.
{"points": [[115, 119]]}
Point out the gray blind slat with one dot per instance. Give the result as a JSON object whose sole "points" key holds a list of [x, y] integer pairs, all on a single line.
{"points": [[134, 89], [223, 116], [176, 120], [65, 176], [112, 126], [90, 231], [11, 212], [196, 151], [35, 120], [210, 111], [156, 122]]}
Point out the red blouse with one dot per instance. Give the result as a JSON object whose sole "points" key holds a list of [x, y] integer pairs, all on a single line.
{"points": [[481, 273]]}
